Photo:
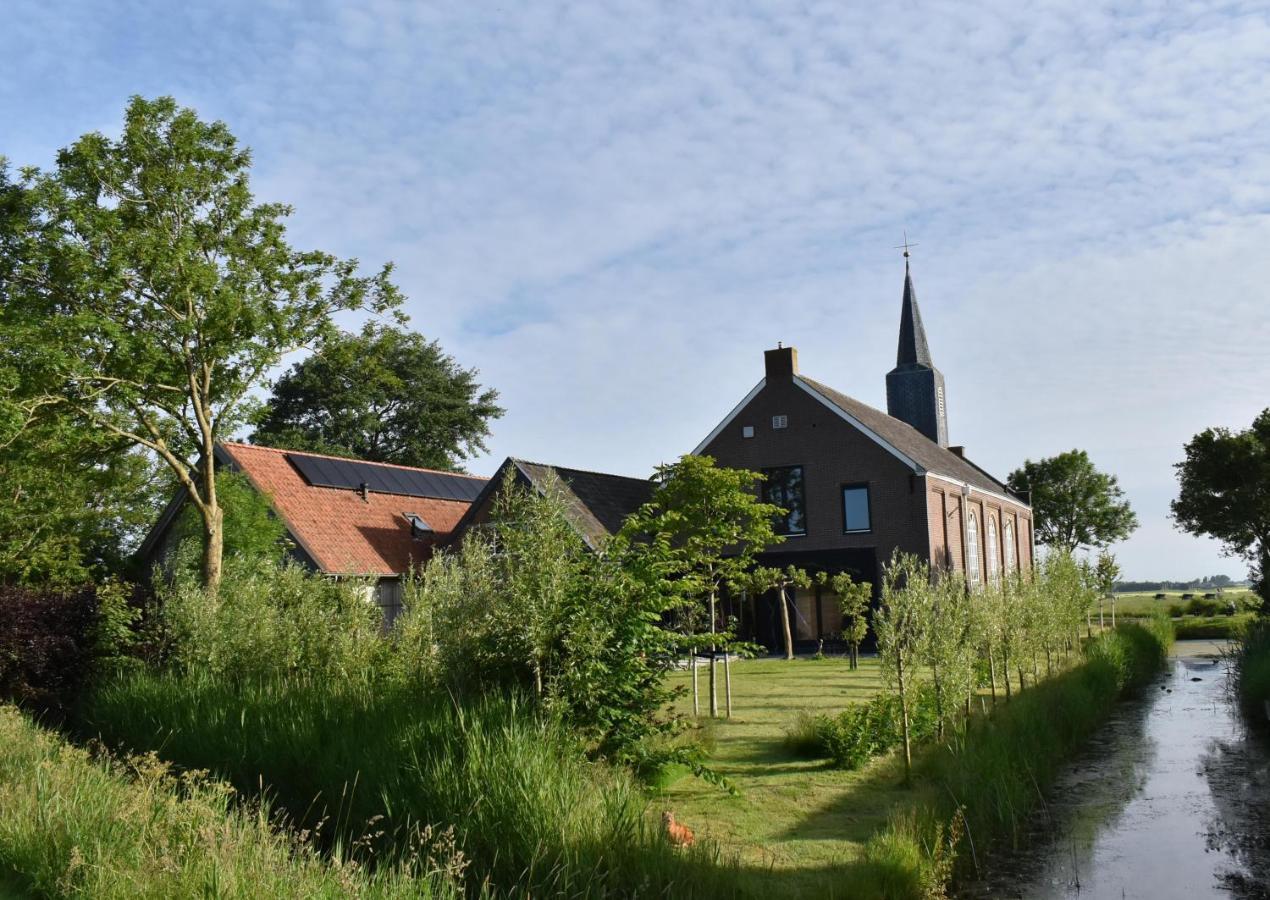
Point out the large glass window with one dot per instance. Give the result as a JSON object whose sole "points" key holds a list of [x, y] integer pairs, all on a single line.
{"points": [[855, 508], [993, 557], [784, 487], [1008, 530], [972, 549]]}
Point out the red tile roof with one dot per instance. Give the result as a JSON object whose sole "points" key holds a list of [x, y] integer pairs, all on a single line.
{"points": [[341, 532]]}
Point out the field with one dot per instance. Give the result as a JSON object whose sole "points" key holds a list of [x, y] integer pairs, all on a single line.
{"points": [[1143, 603], [794, 818]]}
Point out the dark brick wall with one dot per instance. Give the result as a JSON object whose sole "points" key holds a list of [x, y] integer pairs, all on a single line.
{"points": [[832, 453], [946, 523]]}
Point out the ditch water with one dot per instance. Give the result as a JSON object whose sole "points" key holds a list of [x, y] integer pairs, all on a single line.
{"points": [[1171, 799]]}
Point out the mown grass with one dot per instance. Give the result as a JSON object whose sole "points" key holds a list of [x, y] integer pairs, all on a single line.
{"points": [[367, 765], [78, 826], [800, 827]]}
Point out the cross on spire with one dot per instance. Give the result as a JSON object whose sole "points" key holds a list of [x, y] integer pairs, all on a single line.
{"points": [[906, 245]]}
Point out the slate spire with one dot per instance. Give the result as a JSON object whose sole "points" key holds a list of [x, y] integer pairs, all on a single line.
{"points": [[913, 349], [915, 388]]}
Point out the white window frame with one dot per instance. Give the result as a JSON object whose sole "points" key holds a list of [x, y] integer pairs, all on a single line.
{"points": [[973, 575]]}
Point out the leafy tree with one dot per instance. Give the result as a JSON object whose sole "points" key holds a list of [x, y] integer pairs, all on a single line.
{"points": [[252, 531], [1105, 574], [1225, 493], [762, 579], [1075, 505], [854, 600], [902, 624], [713, 523], [149, 293], [386, 394]]}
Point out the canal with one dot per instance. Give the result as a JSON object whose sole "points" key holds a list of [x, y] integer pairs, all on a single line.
{"points": [[1171, 799]]}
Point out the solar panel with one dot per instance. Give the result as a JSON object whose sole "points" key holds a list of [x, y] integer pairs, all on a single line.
{"points": [[351, 474]]}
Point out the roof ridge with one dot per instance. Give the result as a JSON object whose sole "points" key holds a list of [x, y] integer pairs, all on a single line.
{"points": [[369, 462], [530, 462]]}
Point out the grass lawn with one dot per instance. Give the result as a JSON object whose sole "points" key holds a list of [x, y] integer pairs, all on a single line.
{"points": [[1143, 603], [795, 819]]}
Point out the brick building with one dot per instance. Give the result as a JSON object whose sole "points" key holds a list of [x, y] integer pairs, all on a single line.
{"points": [[859, 483]]}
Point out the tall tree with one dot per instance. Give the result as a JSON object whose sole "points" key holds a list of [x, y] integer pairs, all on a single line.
{"points": [[714, 523], [1075, 505], [1225, 493], [151, 293], [387, 395]]}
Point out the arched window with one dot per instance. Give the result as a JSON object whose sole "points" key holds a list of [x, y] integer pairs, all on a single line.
{"points": [[972, 549], [993, 556], [1008, 530]]}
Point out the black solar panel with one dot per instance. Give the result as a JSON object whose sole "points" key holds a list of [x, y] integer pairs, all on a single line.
{"points": [[351, 474]]}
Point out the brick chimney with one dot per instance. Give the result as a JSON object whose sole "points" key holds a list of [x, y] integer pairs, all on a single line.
{"points": [[781, 362]]}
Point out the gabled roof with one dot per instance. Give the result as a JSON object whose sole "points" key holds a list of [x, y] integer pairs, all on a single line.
{"points": [[597, 503], [913, 349], [906, 441], [341, 532]]}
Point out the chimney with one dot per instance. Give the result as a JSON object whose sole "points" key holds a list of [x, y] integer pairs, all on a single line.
{"points": [[781, 362], [959, 450], [364, 490]]}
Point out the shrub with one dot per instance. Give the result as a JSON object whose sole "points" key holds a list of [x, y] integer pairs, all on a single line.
{"points": [[52, 640], [859, 733], [1252, 672], [1199, 606]]}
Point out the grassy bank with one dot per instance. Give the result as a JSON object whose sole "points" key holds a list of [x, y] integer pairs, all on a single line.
{"points": [[75, 826], [980, 787], [367, 765], [1252, 673]]}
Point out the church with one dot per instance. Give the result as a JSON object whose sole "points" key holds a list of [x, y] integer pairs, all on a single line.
{"points": [[859, 483]]}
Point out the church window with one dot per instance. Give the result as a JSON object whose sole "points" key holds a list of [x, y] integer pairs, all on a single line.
{"points": [[1008, 530], [856, 515], [972, 549], [992, 555], [784, 488]]}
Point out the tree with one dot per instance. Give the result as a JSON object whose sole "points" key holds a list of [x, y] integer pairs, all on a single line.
{"points": [[1105, 573], [150, 293], [713, 522], [1225, 493], [1074, 504], [762, 579], [387, 395], [902, 623], [854, 599]]}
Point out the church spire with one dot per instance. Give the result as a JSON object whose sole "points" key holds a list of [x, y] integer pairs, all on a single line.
{"points": [[913, 349], [915, 388]]}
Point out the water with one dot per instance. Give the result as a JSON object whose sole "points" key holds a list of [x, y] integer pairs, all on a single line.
{"points": [[1171, 800]]}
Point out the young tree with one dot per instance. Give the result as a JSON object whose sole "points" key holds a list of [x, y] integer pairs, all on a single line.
{"points": [[1074, 504], [902, 623], [854, 600], [1105, 574], [1225, 494], [712, 521], [762, 579], [150, 293], [386, 394]]}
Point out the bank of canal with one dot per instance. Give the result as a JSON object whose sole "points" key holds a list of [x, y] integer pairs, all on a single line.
{"points": [[1171, 799]]}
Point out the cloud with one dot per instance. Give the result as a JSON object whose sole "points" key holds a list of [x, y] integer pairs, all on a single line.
{"points": [[613, 208]]}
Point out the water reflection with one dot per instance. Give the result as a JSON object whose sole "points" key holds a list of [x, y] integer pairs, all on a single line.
{"points": [[1172, 799]]}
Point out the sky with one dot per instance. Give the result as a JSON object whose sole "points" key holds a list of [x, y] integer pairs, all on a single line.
{"points": [[611, 209]]}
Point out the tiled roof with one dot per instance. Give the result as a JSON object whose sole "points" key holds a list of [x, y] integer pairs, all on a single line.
{"points": [[598, 502], [342, 533], [909, 441]]}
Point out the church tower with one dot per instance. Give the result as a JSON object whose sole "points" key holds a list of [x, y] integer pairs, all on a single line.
{"points": [[915, 388]]}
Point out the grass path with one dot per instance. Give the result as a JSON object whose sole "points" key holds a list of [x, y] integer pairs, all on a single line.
{"points": [[795, 819]]}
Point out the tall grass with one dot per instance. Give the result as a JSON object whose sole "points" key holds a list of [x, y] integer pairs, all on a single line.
{"points": [[988, 778], [1252, 672], [75, 826], [368, 763]]}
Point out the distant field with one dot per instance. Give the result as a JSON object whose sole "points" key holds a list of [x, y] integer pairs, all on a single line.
{"points": [[1143, 603]]}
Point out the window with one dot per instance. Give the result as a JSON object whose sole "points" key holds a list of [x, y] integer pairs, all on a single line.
{"points": [[747, 431], [1008, 530], [779, 422], [972, 549], [784, 488], [992, 555], [855, 508]]}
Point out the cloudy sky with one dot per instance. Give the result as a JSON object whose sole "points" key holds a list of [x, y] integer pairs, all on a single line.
{"points": [[611, 209]]}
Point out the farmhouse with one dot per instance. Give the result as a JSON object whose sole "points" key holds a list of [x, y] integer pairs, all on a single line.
{"points": [[345, 518], [859, 483]]}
